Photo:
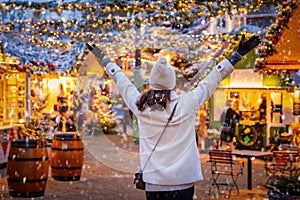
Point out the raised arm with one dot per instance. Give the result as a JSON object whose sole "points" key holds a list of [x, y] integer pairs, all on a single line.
{"points": [[243, 48], [223, 69]]}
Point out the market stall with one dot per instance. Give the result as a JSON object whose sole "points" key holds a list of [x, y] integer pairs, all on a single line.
{"points": [[284, 59], [254, 129], [12, 90], [270, 82], [13, 105]]}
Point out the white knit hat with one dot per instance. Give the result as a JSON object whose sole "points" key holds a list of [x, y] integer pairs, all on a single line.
{"points": [[162, 76]]}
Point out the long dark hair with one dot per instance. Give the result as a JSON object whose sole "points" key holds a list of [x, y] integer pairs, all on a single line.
{"points": [[156, 99]]}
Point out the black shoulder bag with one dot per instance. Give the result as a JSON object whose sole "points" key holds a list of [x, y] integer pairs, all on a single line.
{"points": [[138, 179]]}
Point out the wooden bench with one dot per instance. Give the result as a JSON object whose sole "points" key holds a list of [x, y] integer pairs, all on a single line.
{"points": [[282, 164], [222, 165]]}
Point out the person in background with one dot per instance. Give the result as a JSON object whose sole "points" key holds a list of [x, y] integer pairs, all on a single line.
{"points": [[202, 128], [174, 166], [57, 119], [70, 126], [229, 119], [296, 138], [263, 108]]}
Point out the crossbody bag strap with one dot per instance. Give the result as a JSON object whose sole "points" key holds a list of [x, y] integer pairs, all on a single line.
{"points": [[169, 120]]}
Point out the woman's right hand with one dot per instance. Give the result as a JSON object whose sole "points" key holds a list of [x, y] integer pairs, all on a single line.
{"points": [[245, 46]]}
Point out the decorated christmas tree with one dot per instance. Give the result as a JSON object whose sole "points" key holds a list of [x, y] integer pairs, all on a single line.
{"points": [[102, 104], [37, 128], [93, 105]]}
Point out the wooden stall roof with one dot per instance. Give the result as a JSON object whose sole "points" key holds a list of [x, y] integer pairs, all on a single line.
{"points": [[287, 54]]}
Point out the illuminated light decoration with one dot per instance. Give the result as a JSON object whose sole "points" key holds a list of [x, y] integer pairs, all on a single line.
{"points": [[273, 34], [92, 20]]}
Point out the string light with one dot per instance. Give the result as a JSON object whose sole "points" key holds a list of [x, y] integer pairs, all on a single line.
{"points": [[95, 21]]}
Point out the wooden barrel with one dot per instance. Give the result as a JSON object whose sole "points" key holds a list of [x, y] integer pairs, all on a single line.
{"points": [[66, 157], [27, 168]]}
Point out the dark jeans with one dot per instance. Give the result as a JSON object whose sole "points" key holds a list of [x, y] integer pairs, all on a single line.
{"points": [[186, 194]]}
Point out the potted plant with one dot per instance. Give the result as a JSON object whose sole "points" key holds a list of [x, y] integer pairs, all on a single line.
{"points": [[285, 187]]}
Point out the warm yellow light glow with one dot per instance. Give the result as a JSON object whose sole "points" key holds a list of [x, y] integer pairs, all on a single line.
{"points": [[52, 85]]}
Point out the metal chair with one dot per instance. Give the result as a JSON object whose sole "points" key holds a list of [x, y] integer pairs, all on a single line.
{"points": [[222, 165], [282, 164]]}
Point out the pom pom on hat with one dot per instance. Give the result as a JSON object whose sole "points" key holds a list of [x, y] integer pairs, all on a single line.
{"points": [[162, 76]]}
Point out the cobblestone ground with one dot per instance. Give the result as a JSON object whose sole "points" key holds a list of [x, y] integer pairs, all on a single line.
{"points": [[99, 181]]}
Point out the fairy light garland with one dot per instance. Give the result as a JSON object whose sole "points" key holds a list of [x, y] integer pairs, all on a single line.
{"points": [[92, 21], [97, 19], [273, 34]]}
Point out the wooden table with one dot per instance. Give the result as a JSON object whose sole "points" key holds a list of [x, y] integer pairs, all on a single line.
{"points": [[250, 155]]}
